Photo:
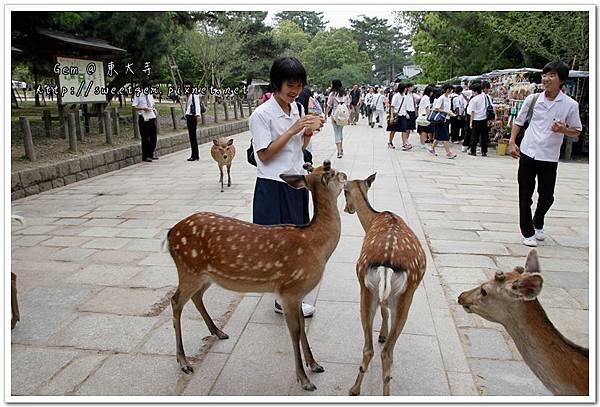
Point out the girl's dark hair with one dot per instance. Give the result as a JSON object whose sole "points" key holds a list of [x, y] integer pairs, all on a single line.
{"points": [[485, 85], [458, 89], [437, 93], [476, 87], [337, 88], [429, 90], [400, 88], [561, 69], [287, 69], [446, 87]]}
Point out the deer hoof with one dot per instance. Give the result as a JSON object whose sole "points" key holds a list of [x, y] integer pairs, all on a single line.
{"points": [[309, 386], [13, 323], [354, 392], [382, 338], [221, 335], [187, 369], [317, 368]]}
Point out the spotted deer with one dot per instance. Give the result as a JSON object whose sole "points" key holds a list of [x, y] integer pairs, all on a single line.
{"points": [[510, 299], [223, 153], [287, 260], [389, 269]]}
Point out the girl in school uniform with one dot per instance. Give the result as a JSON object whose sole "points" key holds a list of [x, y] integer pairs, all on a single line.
{"points": [[279, 132], [397, 121]]}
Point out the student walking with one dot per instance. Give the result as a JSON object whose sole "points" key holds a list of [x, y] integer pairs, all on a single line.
{"points": [[192, 117], [409, 111], [397, 121], [378, 108], [144, 103], [457, 122], [336, 98], [477, 108], [554, 115], [425, 132], [440, 130]]}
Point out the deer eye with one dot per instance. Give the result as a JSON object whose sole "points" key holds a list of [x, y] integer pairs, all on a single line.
{"points": [[483, 292]]}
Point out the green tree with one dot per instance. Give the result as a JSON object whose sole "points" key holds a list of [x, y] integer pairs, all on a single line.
{"points": [[334, 54], [289, 33], [311, 22]]}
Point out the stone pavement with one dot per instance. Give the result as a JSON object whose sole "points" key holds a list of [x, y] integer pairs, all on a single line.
{"points": [[94, 285]]}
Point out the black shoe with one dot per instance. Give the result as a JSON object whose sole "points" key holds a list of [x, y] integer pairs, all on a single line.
{"points": [[193, 159], [484, 154], [147, 159], [155, 157], [473, 154]]}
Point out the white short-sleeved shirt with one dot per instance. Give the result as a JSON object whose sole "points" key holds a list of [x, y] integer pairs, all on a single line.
{"points": [[459, 102], [442, 103], [409, 101], [144, 101], [397, 102], [423, 105], [378, 101], [267, 123], [188, 108], [540, 142], [477, 107]]}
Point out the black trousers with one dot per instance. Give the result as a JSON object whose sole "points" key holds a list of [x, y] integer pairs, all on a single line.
{"points": [[456, 127], [192, 124], [480, 132], [545, 171], [148, 136], [467, 132]]}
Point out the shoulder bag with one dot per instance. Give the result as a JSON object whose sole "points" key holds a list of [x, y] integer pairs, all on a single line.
{"points": [[527, 120]]}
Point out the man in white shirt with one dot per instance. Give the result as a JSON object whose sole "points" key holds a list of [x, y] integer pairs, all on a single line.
{"points": [[457, 102], [554, 115], [144, 103], [378, 107], [477, 109], [192, 117]]}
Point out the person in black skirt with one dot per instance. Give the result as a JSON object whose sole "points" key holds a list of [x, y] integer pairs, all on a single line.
{"points": [[279, 132], [441, 132], [425, 132], [397, 122]]}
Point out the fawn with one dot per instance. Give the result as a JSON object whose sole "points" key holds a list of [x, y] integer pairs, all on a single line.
{"points": [[288, 260], [389, 269], [223, 153], [510, 299]]}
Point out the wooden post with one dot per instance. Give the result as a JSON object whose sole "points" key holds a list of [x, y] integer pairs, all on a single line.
{"points": [[72, 133], [27, 139], [86, 118], [47, 118], [202, 117], [215, 111], [157, 123], [116, 124], [107, 126], [100, 109], [241, 108], [225, 110], [79, 126], [174, 117], [136, 124], [235, 113], [249, 108], [64, 122]]}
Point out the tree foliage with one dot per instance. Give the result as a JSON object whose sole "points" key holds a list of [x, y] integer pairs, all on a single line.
{"points": [[292, 37], [334, 54], [310, 22]]}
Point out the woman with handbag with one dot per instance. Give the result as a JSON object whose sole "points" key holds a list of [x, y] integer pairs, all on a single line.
{"points": [[424, 127], [409, 111], [397, 122], [279, 133], [441, 112]]}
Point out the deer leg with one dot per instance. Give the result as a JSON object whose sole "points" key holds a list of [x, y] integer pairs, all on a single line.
{"points": [[197, 299], [308, 356], [293, 312], [385, 316], [368, 306], [181, 296], [228, 175], [14, 305], [399, 307], [221, 179]]}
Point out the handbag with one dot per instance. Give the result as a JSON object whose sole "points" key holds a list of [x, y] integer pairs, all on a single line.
{"points": [[521, 133], [422, 121], [490, 113], [250, 154], [437, 117]]}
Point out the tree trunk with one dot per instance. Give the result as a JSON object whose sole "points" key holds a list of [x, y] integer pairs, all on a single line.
{"points": [[527, 61], [117, 83]]}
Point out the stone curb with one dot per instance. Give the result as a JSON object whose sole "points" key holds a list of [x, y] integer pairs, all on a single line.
{"points": [[33, 181]]}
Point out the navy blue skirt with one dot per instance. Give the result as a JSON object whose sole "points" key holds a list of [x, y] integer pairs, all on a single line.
{"points": [[277, 203], [440, 131], [397, 125]]}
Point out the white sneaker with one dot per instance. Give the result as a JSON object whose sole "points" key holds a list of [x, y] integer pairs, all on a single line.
{"points": [[465, 149], [424, 146], [307, 309], [530, 241], [539, 234]]}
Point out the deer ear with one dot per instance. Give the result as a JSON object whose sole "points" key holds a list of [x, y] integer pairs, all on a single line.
{"points": [[532, 264], [325, 178], [370, 180], [528, 287], [215, 142], [230, 142], [295, 181]]}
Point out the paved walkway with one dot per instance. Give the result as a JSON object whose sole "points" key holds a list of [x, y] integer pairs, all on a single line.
{"points": [[94, 285]]}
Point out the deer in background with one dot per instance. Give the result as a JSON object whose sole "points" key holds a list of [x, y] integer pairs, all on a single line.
{"points": [[222, 152], [288, 260], [510, 299], [389, 269]]}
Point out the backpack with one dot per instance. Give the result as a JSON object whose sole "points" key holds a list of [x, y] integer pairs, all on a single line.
{"points": [[341, 114]]}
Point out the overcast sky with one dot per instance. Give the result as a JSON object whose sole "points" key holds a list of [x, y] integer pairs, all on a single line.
{"points": [[341, 18]]}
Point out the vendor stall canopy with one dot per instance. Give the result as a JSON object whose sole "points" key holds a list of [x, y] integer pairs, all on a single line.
{"points": [[510, 71]]}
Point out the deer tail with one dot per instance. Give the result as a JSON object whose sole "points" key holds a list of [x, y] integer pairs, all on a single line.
{"points": [[386, 281]]}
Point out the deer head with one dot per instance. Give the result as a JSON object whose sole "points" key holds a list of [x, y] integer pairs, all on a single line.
{"points": [[320, 178], [500, 297], [223, 150], [357, 189]]}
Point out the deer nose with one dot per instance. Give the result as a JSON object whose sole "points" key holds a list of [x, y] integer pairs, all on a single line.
{"points": [[461, 299], [224, 157]]}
